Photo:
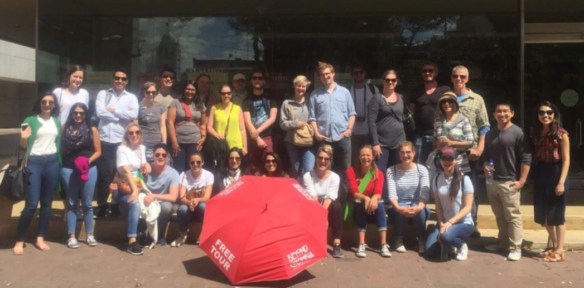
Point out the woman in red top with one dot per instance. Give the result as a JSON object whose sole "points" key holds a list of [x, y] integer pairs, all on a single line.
{"points": [[551, 162], [366, 184]]}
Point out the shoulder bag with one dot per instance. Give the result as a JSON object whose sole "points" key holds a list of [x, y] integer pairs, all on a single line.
{"points": [[15, 178], [302, 136]]}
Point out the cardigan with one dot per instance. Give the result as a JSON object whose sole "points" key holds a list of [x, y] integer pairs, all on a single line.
{"points": [[35, 125]]}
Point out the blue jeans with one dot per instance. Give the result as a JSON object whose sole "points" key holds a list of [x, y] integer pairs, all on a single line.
{"points": [[184, 216], [424, 146], [77, 189], [42, 185], [362, 216], [388, 158], [301, 158], [129, 210], [400, 220], [453, 237]]}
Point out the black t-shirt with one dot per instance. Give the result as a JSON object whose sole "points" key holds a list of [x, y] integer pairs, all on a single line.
{"points": [[259, 107], [425, 107]]}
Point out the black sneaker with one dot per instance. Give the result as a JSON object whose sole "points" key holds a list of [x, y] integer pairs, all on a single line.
{"points": [[101, 211], [337, 253], [476, 233], [135, 249]]}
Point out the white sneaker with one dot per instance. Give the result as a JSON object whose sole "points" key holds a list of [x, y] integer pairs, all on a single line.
{"points": [[462, 253], [385, 251], [514, 255], [361, 251], [421, 245], [399, 245]]}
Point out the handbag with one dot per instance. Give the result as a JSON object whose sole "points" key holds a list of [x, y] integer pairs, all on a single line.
{"points": [[216, 148], [123, 186], [302, 136], [407, 118], [15, 181]]}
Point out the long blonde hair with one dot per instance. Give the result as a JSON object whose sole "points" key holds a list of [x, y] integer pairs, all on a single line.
{"points": [[373, 168]]}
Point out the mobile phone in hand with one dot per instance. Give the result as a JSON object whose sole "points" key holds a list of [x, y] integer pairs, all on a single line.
{"points": [[23, 126]]}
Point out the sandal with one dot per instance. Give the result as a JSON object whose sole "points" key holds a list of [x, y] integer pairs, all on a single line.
{"points": [[546, 252], [555, 256]]}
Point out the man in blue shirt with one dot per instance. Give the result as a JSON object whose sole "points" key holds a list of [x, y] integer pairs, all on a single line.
{"points": [[332, 115]]}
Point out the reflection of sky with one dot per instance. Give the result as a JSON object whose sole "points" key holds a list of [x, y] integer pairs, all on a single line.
{"points": [[426, 36], [204, 38]]}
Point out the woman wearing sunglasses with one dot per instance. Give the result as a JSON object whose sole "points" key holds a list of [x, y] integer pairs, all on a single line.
{"points": [[195, 189], [235, 168], [186, 126], [131, 164], [152, 119], [80, 148], [551, 162], [453, 129], [42, 139], [272, 166]]}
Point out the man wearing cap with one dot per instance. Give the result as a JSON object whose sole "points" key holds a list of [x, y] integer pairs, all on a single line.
{"points": [[473, 107], [239, 91]]}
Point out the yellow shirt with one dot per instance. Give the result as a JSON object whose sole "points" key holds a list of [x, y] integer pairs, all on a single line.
{"points": [[220, 122]]}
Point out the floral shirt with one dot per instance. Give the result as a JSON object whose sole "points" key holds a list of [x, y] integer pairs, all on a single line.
{"points": [[547, 148]]}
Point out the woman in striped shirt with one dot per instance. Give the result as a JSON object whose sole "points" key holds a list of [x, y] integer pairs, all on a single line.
{"points": [[453, 130], [409, 192]]}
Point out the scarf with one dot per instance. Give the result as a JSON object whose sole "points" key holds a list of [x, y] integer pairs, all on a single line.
{"points": [[232, 176], [72, 141]]}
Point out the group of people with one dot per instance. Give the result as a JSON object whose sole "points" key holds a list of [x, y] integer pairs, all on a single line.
{"points": [[347, 146]]}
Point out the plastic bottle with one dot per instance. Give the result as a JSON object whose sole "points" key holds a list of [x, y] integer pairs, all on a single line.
{"points": [[491, 167]]}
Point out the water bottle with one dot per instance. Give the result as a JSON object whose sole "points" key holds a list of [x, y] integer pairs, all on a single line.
{"points": [[444, 250], [491, 167]]}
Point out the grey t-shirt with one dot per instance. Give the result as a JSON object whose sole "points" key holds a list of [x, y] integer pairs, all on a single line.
{"points": [[384, 121], [149, 120], [187, 131], [361, 97], [509, 150], [161, 183]]}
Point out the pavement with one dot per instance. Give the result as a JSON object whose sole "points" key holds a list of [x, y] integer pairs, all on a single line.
{"points": [[108, 265]]}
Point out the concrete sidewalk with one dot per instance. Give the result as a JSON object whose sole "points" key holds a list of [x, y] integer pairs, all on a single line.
{"points": [[110, 266]]}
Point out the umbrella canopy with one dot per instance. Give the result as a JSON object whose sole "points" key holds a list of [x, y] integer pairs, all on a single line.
{"points": [[264, 229]]}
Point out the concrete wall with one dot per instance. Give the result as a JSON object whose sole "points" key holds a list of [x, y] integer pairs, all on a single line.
{"points": [[17, 62]]}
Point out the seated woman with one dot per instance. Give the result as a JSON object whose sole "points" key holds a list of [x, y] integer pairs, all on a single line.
{"points": [[163, 182], [366, 185], [409, 192], [236, 167], [272, 166], [453, 192], [195, 189], [323, 185], [131, 163]]}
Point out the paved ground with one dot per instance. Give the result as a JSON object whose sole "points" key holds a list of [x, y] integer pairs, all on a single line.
{"points": [[109, 266]]}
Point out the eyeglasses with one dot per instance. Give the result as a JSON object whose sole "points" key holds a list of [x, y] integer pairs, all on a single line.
{"points": [[456, 76], [427, 71], [358, 72], [48, 102], [449, 101], [151, 93], [544, 112], [236, 159], [137, 133], [78, 113], [390, 80], [320, 158], [271, 161], [123, 79], [163, 155], [168, 76], [225, 93], [257, 78], [196, 162]]}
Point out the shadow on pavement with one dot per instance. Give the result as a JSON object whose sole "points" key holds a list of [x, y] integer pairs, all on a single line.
{"points": [[204, 268]]}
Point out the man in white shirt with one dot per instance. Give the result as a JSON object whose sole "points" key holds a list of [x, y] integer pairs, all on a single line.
{"points": [[116, 109], [361, 93]]}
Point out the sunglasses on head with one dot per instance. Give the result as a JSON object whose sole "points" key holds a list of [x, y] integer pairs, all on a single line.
{"points": [[456, 76], [48, 102], [257, 78], [198, 162], [544, 112], [163, 155], [123, 79], [427, 71], [132, 133]]}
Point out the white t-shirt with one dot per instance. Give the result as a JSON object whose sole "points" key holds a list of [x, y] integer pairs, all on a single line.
{"points": [[451, 207], [322, 188], [44, 144], [126, 156], [189, 182], [67, 100]]}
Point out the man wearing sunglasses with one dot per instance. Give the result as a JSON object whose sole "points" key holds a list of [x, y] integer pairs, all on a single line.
{"points": [[361, 95], [163, 182], [259, 114], [239, 92], [423, 102], [473, 107], [116, 108], [167, 78]]}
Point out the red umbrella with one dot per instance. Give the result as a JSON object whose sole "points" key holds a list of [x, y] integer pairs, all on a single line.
{"points": [[264, 229]]}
